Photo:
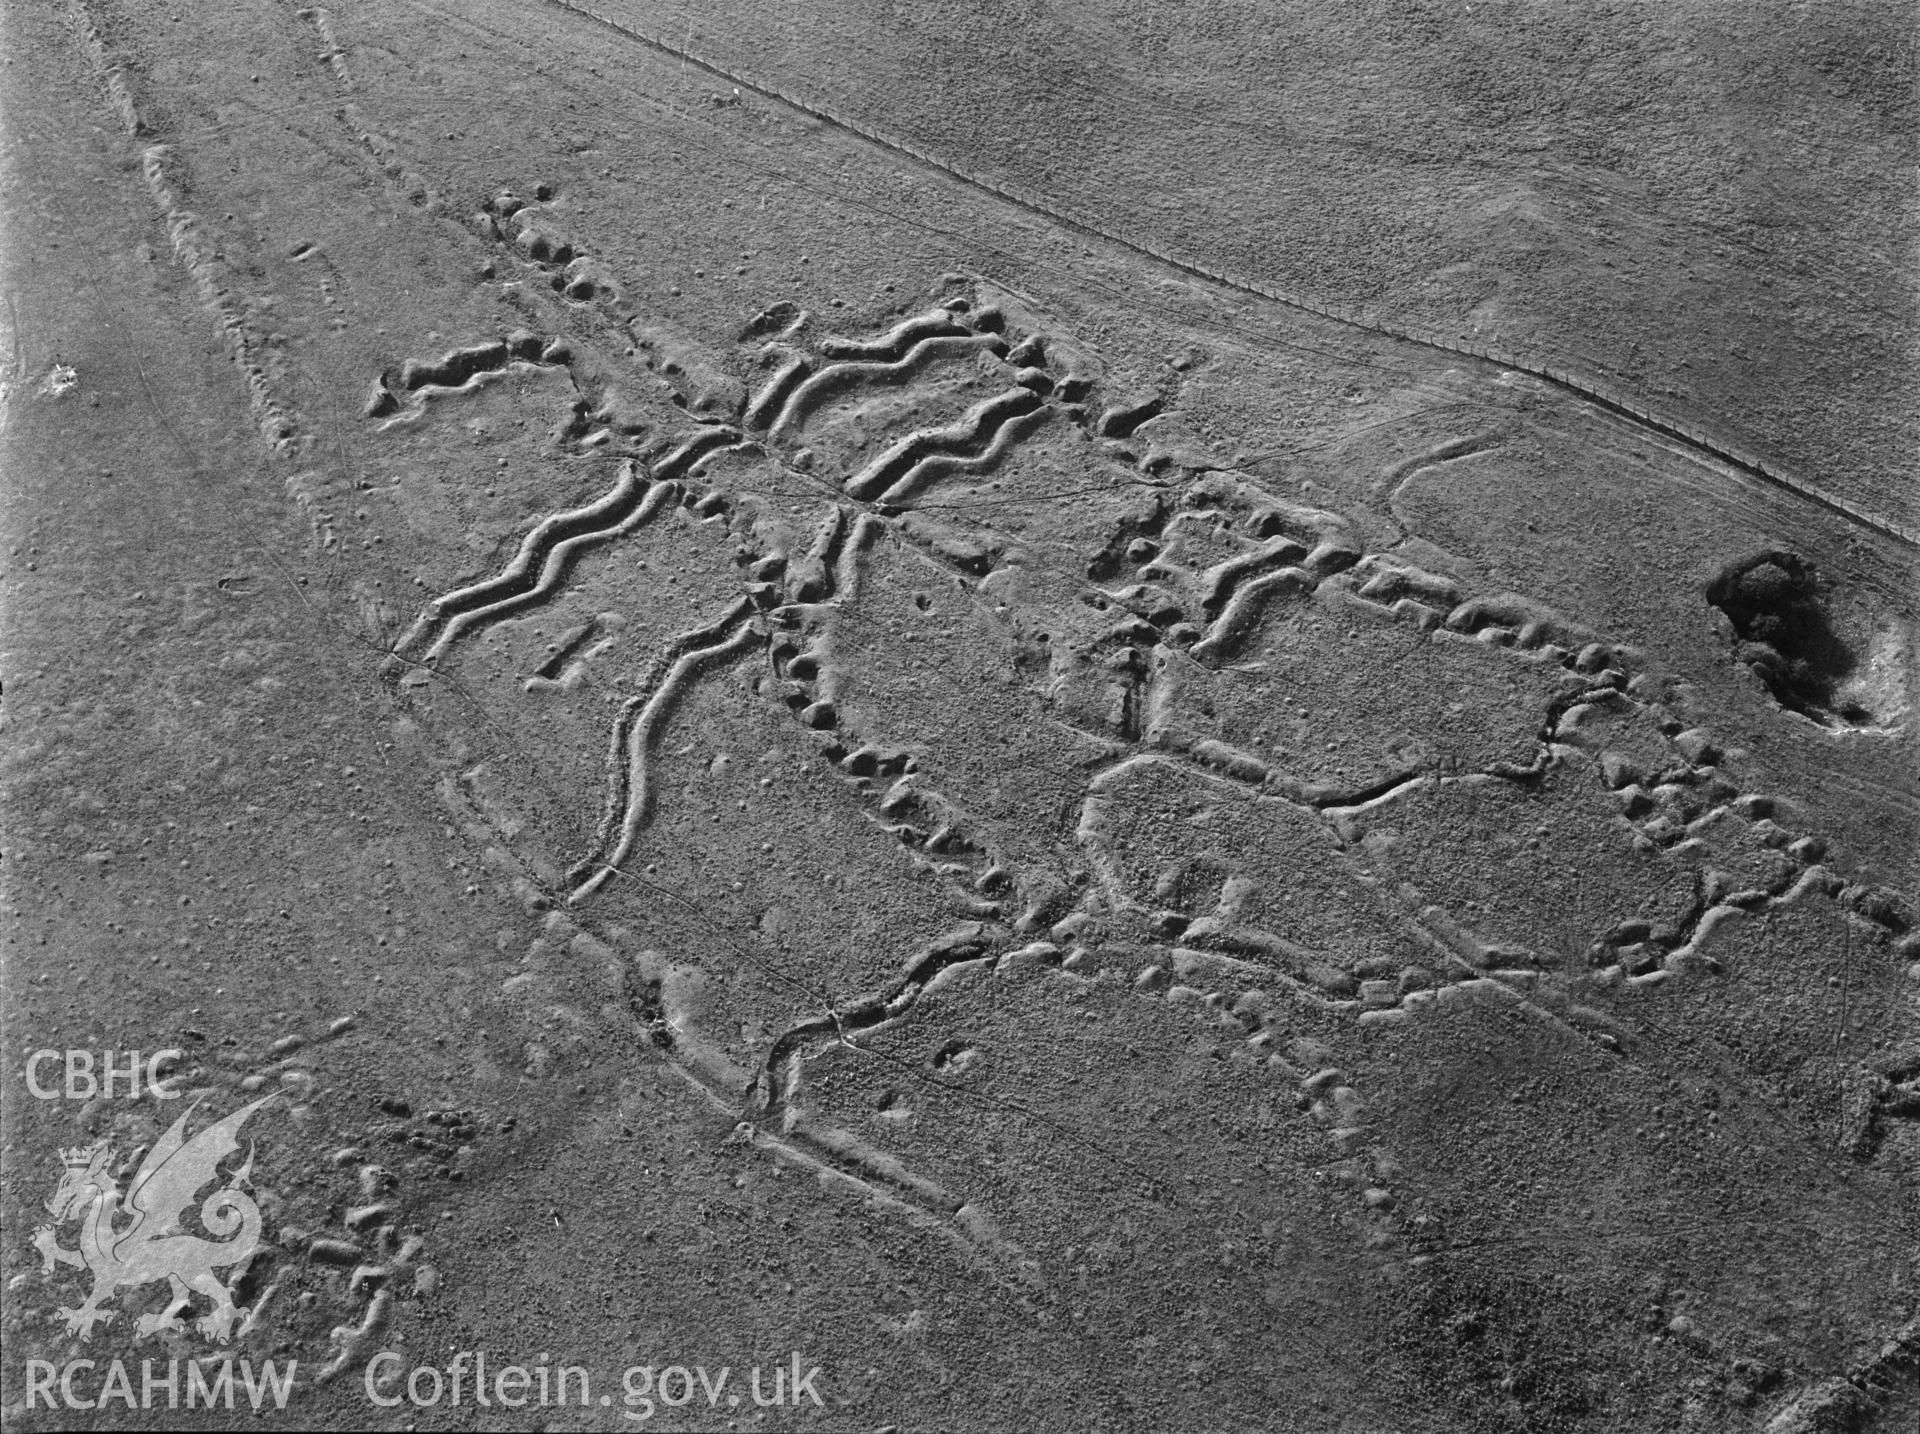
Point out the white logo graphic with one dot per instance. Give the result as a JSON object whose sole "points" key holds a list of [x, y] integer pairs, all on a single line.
{"points": [[153, 1245]]}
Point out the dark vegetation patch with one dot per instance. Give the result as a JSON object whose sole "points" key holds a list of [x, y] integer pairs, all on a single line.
{"points": [[1782, 631]]}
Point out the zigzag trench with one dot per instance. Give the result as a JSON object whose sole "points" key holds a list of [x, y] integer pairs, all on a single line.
{"points": [[1223, 970], [537, 570], [1230, 974]]}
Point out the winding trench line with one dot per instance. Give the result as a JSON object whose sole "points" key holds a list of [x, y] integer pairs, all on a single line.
{"points": [[942, 464], [541, 562], [620, 769], [898, 341], [536, 568], [778, 389], [779, 1077], [636, 731], [1589, 389], [973, 431], [815, 390]]}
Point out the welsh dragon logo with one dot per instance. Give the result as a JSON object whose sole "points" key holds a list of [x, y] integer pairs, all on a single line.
{"points": [[139, 1239]]}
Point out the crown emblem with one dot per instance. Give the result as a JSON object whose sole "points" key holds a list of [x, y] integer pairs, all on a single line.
{"points": [[135, 1238]]}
